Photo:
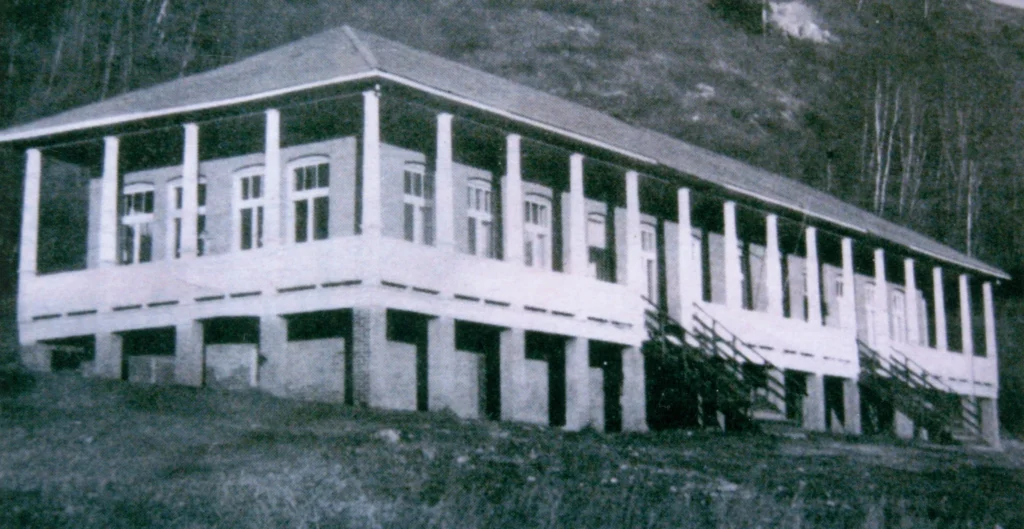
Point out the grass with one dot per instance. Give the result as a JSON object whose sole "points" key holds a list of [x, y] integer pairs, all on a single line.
{"points": [[87, 453]]}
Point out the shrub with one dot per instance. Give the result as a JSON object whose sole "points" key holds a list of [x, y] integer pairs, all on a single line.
{"points": [[13, 379]]}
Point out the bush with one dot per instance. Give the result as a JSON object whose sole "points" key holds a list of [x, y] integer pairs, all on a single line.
{"points": [[14, 379]]}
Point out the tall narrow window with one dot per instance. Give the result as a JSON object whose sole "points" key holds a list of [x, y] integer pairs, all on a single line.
{"points": [[897, 316], [480, 218], [135, 208], [249, 208], [311, 180], [869, 314], [175, 203], [649, 260], [418, 200], [597, 247], [537, 232]]}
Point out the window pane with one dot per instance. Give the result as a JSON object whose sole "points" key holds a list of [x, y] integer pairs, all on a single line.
{"points": [[145, 244], [178, 198], [177, 237], [488, 241], [257, 186], [127, 244], [428, 225], [428, 186], [301, 220], [259, 227], [409, 223], [202, 195], [407, 179], [472, 235], [298, 179], [528, 251], [323, 175], [245, 189], [417, 185], [201, 235], [320, 217], [246, 240], [310, 177], [149, 202]]}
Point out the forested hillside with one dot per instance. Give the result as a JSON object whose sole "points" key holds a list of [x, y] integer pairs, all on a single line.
{"points": [[909, 108]]}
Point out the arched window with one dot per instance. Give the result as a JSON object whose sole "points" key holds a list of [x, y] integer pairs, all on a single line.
{"points": [[418, 199], [311, 179], [248, 217], [480, 213], [135, 237], [598, 258], [537, 231], [174, 207], [649, 260]]}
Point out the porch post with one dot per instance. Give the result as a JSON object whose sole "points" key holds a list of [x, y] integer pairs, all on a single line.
{"points": [[577, 383], [910, 302], [444, 196], [190, 192], [512, 360], [272, 179], [813, 276], [849, 302], [109, 220], [27, 254], [733, 277], [370, 224], [512, 203], [991, 350], [634, 273], [577, 218], [938, 292], [189, 353], [881, 303], [687, 264], [773, 266], [966, 332]]}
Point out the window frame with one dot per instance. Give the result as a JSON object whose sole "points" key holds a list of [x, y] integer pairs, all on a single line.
{"points": [[419, 192], [175, 189], [309, 195], [480, 220], [241, 182], [533, 230], [138, 221], [649, 260]]}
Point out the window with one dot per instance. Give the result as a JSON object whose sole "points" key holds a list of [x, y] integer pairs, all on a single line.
{"points": [[249, 194], [311, 180], [537, 232], [176, 201], [480, 218], [649, 260], [135, 237], [599, 266], [897, 316], [869, 314], [418, 199]]}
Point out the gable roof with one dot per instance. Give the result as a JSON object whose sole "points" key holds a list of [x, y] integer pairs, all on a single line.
{"points": [[344, 54]]}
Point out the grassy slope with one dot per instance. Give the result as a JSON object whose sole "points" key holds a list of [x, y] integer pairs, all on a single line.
{"points": [[85, 453]]}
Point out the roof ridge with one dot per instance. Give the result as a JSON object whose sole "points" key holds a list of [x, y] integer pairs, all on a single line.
{"points": [[364, 51]]}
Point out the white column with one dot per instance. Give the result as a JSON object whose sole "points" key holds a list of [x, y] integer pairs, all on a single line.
{"points": [[633, 400], [441, 371], [512, 354], [688, 266], [577, 383], [848, 319], [30, 214], [577, 218], [773, 266], [910, 302], [444, 197], [512, 203], [108, 203], [634, 271], [371, 208], [272, 179], [966, 332], [190, 191], [814, 403], [991, 351], [881, 302], [188, 353], [733, 278], [813, 277], [938, 292]]}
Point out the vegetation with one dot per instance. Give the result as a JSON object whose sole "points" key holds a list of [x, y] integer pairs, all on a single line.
{"points": [[94, 454]]}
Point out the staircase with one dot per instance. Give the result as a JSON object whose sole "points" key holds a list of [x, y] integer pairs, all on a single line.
{"points": [[912, 390], [711, 371]]}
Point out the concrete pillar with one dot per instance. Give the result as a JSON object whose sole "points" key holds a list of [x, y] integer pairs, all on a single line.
{"points": [[688, 266], [989, 411], [634, 392], [512, 353], [109, 191], [814, 403], [577, 218], [370, 223], [939, 298], [273, 346], [910, 302], [813, 277], [369, 338], [773, 266], [966, 329], [441, 364], [577, 383], [848, 319], [444, 196], [30, 213], [512, 202], [109, 356], [634, 269], [272, 179], [881, 303], [190, 191], [902, 425], [851, 406], [991, 348], [733, 270], [188, 353]]}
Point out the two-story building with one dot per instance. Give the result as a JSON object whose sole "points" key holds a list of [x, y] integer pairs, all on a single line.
{"points": [[346, 218]]}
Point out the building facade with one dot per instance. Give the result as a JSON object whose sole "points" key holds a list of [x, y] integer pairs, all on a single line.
{"points": [[348, 219]]}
